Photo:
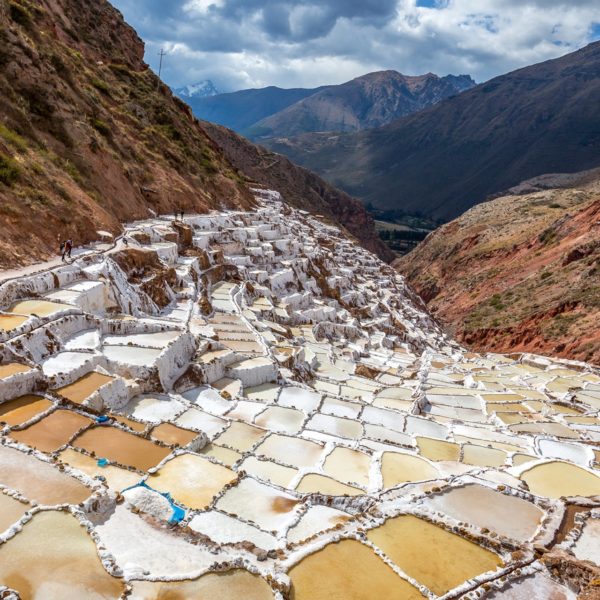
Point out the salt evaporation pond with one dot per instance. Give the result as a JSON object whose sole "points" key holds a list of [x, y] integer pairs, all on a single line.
{"points": [[291, 424]]}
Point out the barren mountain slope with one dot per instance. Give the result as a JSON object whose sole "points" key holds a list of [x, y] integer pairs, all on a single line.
{"points": [[88, 135], [519, 272], [373, 100], [300, 188], [441, 161]]}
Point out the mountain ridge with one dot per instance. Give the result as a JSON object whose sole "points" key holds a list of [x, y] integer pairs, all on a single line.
{"points": [[443, 160]]}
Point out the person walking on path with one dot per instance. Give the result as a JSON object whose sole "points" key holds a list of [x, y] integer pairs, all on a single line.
{"points": [[62, 250], [182, 215], [68, 248]]}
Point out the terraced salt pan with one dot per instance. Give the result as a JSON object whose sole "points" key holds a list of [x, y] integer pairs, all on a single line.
{"points": [[39, 308], [587, 546], [197, 419], [556, 479], [486, 508], [84, 340], [10, 369], [132, 355], [153, 408], [269, 471], [39, 481], [438, 450], [83, 388], [224, 529], [231, 585], [65, 362], [314, 483], [173, 435], [348, 570], [209, 400], [295, 397], [53, 431], [121, 447], [345, 428], [297, 452], [11, 510], [434, 557], [54, 558], [538, 585], [117, 478], [240, 436], [399, 468], [11, 322], [284, 420], [20, 410], [192, 480], [160, 339], [161, 553], [317, 519], [259, 503], [348, 466]]}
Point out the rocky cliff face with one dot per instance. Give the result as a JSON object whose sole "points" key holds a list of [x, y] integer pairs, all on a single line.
{"points": [[299, 187], [88, 135], [519, 272]]}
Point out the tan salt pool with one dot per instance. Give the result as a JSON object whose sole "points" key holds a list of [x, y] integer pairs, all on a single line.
{"points": [[11, 511], [54, 558], [121, 447], [270, 471], [117, 478], [9, 369], [481, 456], [348, 466], [438, 450], [173, 435], [22, 409], [315, 483], [225, 455], [291, 451], [434, 557], [38, 480], [10, 322], [41, 308], [556, 479], [52, 431], [399, 468], [348, 570], [240, 436], [192, 480], [232, 585], [487, 508], [83, 388]]}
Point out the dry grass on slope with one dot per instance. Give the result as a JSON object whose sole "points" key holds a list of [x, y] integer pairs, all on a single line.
{"points": [[518, 273]]}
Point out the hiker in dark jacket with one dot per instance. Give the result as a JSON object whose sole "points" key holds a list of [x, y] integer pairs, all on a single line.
{"points": [[68, 248], [62, 250]]}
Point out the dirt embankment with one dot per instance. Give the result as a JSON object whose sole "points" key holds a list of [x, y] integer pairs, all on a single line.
{"points": [[519, 272]]}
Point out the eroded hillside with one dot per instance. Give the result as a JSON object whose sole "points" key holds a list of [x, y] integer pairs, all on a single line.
{"points": [[88, 135], [519, 272]]}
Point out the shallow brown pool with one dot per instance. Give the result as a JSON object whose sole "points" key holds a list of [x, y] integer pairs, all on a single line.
{"points": [[22, 409], [121, 447]]}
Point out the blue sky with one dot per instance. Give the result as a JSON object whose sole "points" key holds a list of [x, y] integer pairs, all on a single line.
{"points": [[254, 43]]}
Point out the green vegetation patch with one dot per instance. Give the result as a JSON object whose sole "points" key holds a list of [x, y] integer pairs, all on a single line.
{"points": [[12, 138], [9, 170]]}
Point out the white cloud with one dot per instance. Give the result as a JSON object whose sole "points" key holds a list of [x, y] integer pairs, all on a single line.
{"points": [[253, 43]]}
